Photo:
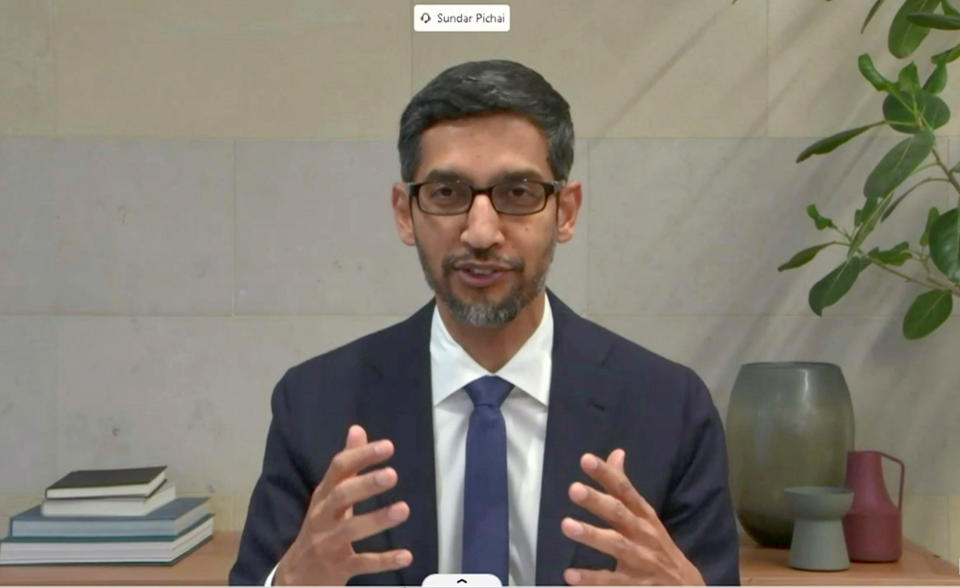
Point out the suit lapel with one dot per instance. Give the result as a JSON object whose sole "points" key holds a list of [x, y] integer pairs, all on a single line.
{"points": [[397, 405], [583, 397]]}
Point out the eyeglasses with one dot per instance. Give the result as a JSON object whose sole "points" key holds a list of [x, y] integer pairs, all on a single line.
{"points": [[513, 197]]}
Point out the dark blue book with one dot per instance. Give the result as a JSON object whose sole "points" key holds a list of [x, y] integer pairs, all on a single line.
{"points": [[170, 520]]}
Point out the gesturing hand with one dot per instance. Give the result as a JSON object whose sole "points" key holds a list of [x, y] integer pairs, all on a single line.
{"points": [[644, 550], [322, 553]]}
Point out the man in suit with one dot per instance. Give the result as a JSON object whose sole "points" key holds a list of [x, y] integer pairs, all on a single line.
{"points": [[494, 430]]}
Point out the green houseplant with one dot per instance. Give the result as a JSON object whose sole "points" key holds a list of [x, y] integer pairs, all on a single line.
{"points": [[916, 111]]}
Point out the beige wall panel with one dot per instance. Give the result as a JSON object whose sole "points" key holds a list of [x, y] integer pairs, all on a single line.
{"points": [[286, 68], [699, 226], [815, 86], [230, 510], [29, 353], [27, 68], [111, 226], [630, 69], [923, 522], [315, 231]]}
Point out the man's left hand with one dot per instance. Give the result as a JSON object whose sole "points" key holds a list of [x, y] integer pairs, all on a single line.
{"points": [[644, 550]]}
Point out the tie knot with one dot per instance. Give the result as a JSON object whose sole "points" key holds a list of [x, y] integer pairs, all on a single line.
{"points": [[488, 391]]}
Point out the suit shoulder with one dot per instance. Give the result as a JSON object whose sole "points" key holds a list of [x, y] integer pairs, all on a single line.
{"points": [[639, 363], [353, 354], [376, 351]]}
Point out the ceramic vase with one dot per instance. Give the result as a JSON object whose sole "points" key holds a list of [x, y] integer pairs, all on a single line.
{"points": [[788, 424]]}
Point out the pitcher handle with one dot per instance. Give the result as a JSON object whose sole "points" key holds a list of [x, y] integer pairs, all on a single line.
{"points": [[903, 472]]}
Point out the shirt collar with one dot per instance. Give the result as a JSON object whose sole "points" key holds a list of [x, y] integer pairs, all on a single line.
{"points": [[452, 368]]}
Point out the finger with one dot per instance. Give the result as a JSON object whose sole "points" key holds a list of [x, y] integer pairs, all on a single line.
{"points": [[615, 482], [348, 462], [607, 541], [356, 437], [352, 490], [582, 577], [369, 524], [616, 458], [371, 563], [607, 508]]}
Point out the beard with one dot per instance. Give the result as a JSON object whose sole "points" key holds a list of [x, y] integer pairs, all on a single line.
{"points": [[488, 312]]}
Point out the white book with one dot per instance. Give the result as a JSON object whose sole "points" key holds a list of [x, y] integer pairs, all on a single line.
{"points": [[110, 507]]}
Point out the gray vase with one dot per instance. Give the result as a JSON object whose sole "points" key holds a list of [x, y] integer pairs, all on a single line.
{"points": [[788, 424]]}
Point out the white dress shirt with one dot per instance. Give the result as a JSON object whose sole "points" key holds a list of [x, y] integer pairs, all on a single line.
{"points": [[525, 415]]}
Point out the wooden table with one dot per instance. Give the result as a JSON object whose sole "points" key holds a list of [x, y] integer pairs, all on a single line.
{"points": [[768, 566], [209, 565]]}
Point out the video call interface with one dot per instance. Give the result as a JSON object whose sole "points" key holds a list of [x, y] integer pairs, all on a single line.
{"points": [[544, 293]]}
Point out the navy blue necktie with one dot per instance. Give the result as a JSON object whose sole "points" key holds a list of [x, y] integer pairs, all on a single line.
{"points": [[486, 540]]}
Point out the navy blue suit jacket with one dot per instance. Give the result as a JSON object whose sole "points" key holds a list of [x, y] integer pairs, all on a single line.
{"points": [[605, 392]]}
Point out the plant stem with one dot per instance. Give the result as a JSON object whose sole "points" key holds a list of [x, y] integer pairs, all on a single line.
{"points": [[906, 277], [946, 170], [929, 281]]}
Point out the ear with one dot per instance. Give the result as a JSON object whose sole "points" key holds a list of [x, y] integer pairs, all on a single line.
{"points": [[402, 214], [568, 206]]}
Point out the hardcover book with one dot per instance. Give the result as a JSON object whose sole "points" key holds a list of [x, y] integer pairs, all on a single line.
{"points": [[105, 550], [167, 521], [99, 483], [118, 506]]}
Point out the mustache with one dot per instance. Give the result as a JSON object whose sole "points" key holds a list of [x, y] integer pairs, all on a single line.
{"points": [[480, 256]]}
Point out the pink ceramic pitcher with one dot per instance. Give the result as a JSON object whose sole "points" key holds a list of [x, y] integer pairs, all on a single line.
{"points": [[872, 527]]}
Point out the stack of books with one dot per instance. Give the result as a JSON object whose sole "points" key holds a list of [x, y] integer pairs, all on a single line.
{"points": [[109, 516]]}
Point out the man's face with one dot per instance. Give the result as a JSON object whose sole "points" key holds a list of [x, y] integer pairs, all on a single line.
{"points": [[484, 266]]}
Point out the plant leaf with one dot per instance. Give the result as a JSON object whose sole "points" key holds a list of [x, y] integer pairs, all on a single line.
{"points": [[802, 257], [904, 36], [872, 74], [928, 311], [834, 285], [819, 220], [937, 80], [946, 56], [909, 79], [949, 8], [899, 116], [897, 255], [944, 22], [933, 111], [945, 244], [932, 215], [873, 10], [830, 143], [897, 165]]}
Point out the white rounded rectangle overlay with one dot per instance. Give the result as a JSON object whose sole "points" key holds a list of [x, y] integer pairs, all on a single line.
{"points": [[467, 18]]}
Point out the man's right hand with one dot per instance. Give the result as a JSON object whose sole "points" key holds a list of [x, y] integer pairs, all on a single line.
{"points": [[322, 553]]}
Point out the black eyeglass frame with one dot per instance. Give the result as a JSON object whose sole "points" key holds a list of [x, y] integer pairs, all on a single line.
{"points": [[550, 188]]}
